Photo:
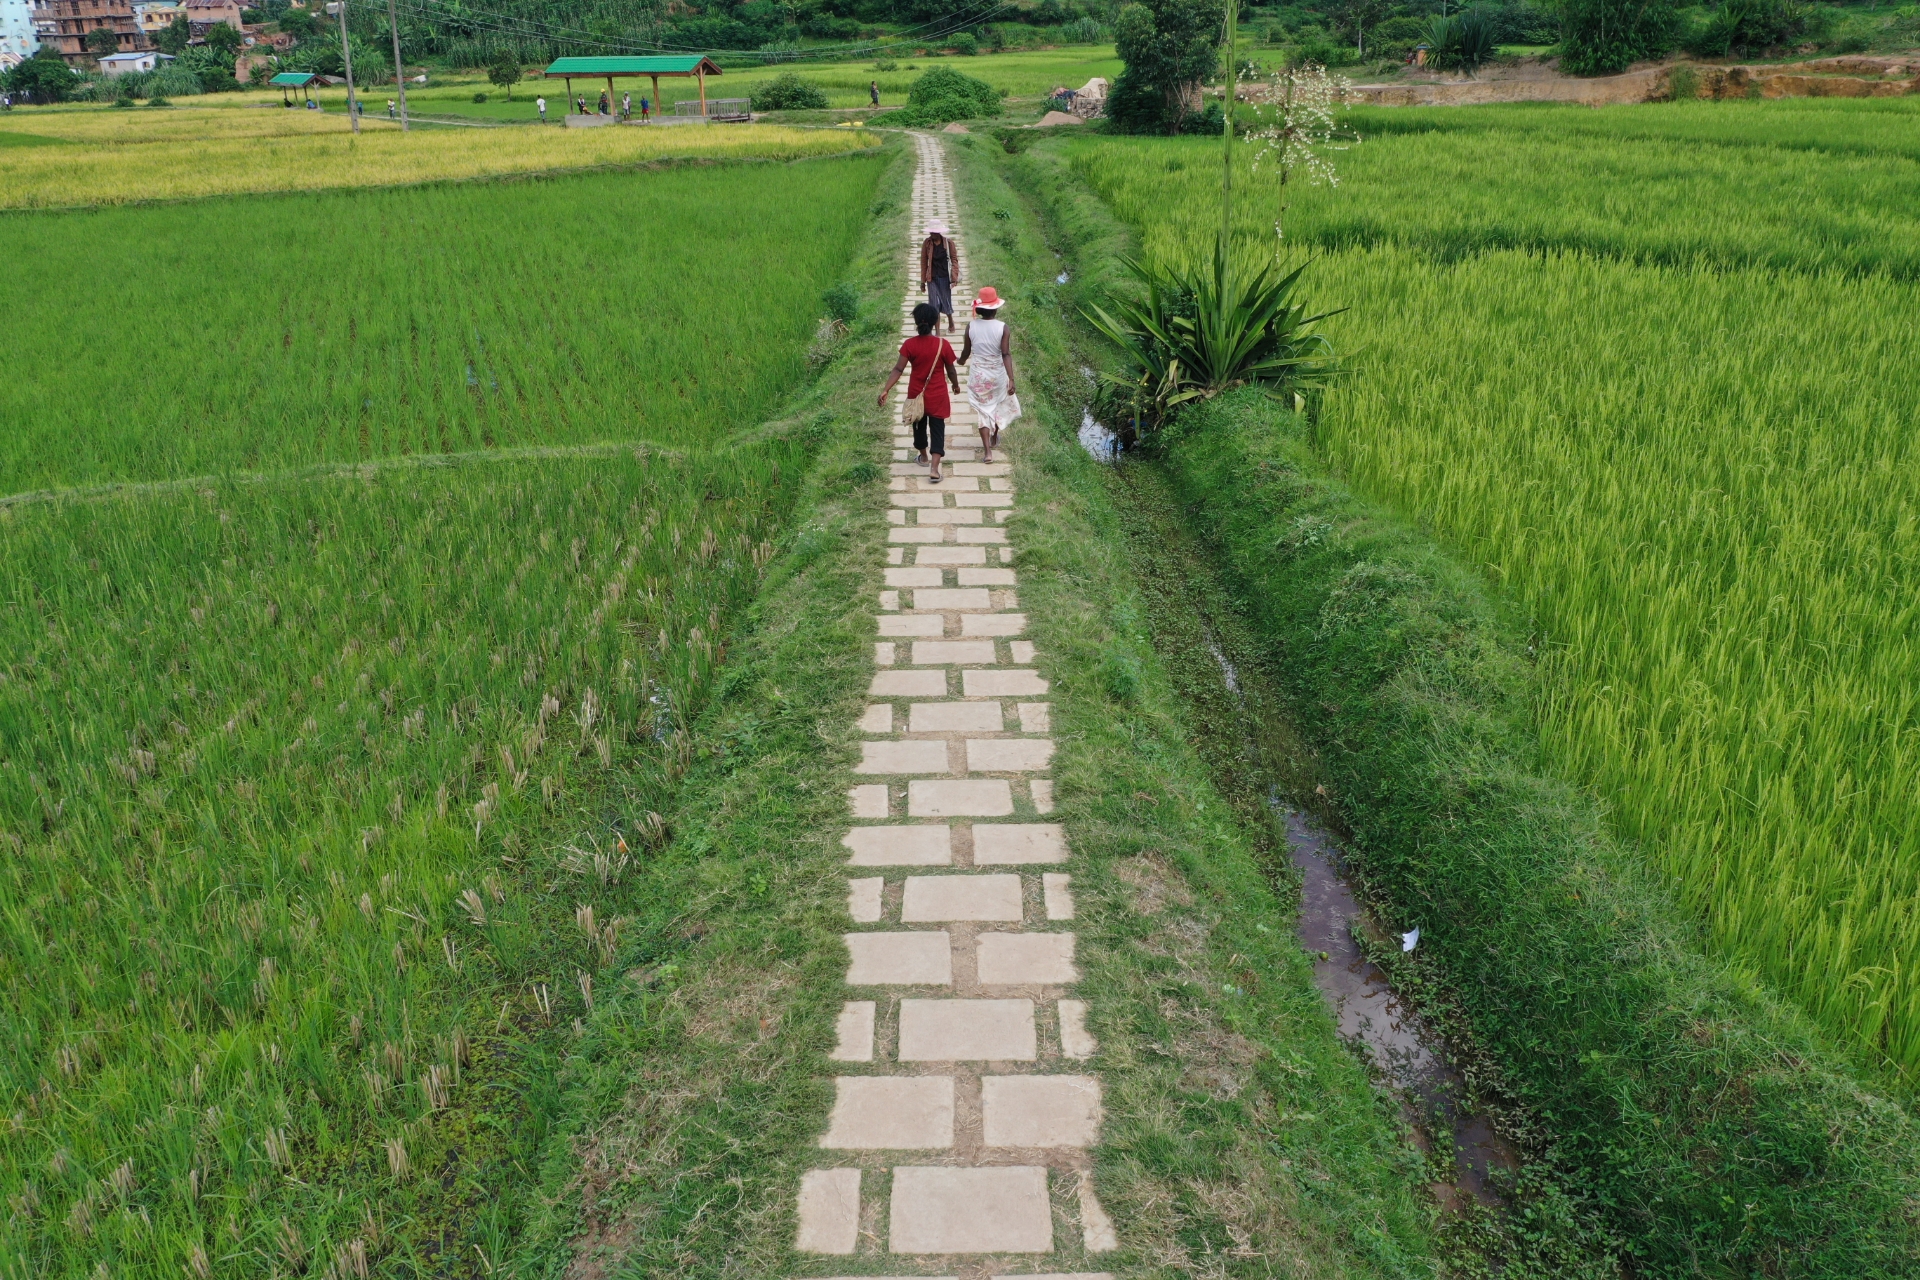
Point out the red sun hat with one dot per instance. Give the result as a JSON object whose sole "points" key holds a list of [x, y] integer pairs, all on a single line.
{"points": [[988, 299]]}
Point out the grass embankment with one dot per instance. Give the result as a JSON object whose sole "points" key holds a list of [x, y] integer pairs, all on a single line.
{"points": [[673, 307], [322, 792], [184, 153], [1241, 1137], [1668, 413], [1696, 1118]]}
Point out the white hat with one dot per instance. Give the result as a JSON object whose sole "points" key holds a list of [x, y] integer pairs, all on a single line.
{"points": [[937, 228]]}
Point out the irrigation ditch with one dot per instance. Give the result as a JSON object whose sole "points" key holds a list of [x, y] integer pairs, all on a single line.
{"points": [[1271, 775]]}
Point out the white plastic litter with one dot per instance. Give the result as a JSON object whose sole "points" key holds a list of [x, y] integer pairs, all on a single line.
{"points": [[1408, 941]]}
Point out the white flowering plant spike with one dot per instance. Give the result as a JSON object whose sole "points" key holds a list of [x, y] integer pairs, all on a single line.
{"points": [[1300, 130]]}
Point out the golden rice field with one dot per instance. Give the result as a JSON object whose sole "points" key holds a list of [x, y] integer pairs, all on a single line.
{"points": [[103, 156], [1664, 391]]}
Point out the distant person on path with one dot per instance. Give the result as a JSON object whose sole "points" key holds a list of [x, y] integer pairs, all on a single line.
{"points": [[542, 104], [580, 101], [989, 347], [930, 356], [390, 114], [874, 90], [939, 268], [626, 106], [645, 108], [606, 104]]}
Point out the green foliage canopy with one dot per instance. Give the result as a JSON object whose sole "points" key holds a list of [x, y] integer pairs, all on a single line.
{"points": [[101, 41], [942, 95], [789, 92], [1601, 37], [42, 79], [1170, 47]]}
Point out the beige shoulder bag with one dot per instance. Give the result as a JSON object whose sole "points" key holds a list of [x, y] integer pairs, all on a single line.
{"points": [[915, 407]]}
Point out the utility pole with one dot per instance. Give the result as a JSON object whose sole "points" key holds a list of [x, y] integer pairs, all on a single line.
{"points": [[399, 67], [346, 52]]}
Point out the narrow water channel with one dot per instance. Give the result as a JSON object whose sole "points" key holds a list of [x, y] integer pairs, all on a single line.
{"points": [[1270, 775]]}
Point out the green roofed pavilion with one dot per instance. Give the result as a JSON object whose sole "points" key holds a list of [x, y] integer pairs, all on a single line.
{"points": [[294, 79], [697, 65]]}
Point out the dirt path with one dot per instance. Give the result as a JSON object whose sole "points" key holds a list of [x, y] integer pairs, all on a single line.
{"points": [[965, 1105]]}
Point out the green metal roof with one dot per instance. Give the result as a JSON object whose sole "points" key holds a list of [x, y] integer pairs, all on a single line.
{"points": [[676, 65], [294, 79]]}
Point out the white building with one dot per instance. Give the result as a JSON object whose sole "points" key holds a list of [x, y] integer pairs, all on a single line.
{"points": [[17, 35], [120, 64]]}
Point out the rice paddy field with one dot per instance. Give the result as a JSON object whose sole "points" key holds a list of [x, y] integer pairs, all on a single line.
{"points": [[67, 157], [661, 306], [331, 747], [1658, 380]]}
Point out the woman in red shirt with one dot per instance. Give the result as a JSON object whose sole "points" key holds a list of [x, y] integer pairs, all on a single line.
{"points": [[929, 355]]}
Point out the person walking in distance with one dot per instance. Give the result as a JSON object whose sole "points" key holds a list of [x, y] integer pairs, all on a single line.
{"points": [[580, 101], [988, 355], [928, 403], [390, 114], [939, 268], [542, 104], [646, 107], [626, 106], [873, 90], [606, 104]]}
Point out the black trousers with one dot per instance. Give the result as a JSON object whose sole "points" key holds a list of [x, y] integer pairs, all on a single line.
{"points": [[928, 425]]}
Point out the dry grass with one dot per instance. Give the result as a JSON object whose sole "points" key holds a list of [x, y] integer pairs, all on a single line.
{"points": [[118, 157]]}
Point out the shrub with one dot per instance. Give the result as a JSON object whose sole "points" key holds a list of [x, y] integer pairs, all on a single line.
{"points": [[965, 44], [789, 92], [1600, 37], [942, 95], [842, 302], [1083, 30], [1463, 41], [44, 79], [1683, 84], [479, 97], [1748, 26]]}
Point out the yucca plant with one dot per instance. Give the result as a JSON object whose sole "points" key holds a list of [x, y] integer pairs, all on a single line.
{"points": [[1198, 330]]}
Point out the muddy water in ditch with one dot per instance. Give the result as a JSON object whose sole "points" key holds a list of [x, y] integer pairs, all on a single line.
{"points": [[1257, 761]]}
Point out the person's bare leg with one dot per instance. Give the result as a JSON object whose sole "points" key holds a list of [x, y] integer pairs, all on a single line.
{"points": [[986, 444], [934, 472]]}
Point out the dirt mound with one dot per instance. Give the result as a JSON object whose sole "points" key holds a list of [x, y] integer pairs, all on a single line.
{"points": [[1058, 117], [1538, 80]]}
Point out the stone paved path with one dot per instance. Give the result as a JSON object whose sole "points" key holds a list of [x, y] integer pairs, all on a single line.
{"points": [[965, 1104]]}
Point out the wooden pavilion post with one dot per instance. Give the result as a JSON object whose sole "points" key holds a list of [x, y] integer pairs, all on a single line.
{"points": [[613, 99], [569, 110], [700, 70], [656, 97]]}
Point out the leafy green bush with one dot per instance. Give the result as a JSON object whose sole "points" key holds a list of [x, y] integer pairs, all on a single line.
{"points": [[1600, 37], [1083, 30], [942, 95], [1746, 27], [966, 44], [789, 92], [842, 302], [44, 77]]}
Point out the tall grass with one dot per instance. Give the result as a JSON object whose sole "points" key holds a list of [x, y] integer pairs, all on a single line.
{"points": [[317, 799], [1695, 476], [186, 153], [665, 306]]}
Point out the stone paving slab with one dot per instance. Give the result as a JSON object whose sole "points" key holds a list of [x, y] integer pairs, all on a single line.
{"points": [[863, 898], [914, 533], [956, 717], [879, 718], [993, 624], [1041, 789], [1004, 755], [1035, 717], [1003, 683], [908, 684], [868, 801], [910, 846], [936, 653], [967, 1031], [855, 1032], [905, 1113], [950, 515], [950, 555], [980, 535], [937, 899], [1040, 1111], [1025, 959], [1017, 843], [903, 625], [1075, 1040], [1023, 652], [829, 1211], [899, 959], [994, 1210], [1057, 892], [985, 577], [903, 757], [944, 598], [960, 798], [929, 577]]}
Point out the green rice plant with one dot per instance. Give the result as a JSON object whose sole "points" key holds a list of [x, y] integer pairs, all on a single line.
{"points": [[1672, 419], [672, 307], [320, 798]]}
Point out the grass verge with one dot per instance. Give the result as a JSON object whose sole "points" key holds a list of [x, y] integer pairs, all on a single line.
{"points": [[1706, 1125]]}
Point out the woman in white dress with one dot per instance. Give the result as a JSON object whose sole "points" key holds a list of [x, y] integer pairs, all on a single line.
{"points": [[988, 355]]}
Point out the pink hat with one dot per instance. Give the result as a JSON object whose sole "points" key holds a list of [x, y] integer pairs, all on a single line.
{"points": [[988, 299]]}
